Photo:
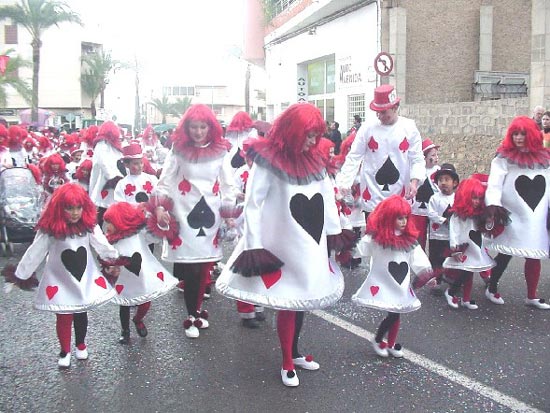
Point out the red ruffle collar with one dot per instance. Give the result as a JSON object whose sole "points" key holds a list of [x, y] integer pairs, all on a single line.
{"points": [[300, 169], [524, 159], [198, 154], [403, 242]]}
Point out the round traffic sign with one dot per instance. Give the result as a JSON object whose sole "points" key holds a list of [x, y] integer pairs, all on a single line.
{"points": [[383, 63]]}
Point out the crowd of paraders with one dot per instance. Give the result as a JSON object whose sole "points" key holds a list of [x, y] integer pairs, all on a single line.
{"points": [[127, 219]]}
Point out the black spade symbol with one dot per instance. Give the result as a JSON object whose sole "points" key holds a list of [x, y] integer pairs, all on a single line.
{"points": [[447, 213], [531, 190], [200, 217], [309, 213], [142, 197], [237, 161], [475, 236], [120, 166], [424, 194], [387, 175], [398, 271], [75, 261], [135, 263]]}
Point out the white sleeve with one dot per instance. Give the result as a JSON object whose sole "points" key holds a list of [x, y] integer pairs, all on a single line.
{"points": [[227, 184], [99, 243], [454, 231], [433, 212], [169, 171], [499, 169], [118, 193], [420, 261], [332, 219], [107, 160], [364, 246], [358, 151], [416, 156], [34, 256], [258, 186]]}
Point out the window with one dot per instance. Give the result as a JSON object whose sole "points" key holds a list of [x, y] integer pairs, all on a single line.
{"points": [[10, 34], [356, 106], [321, 86]]}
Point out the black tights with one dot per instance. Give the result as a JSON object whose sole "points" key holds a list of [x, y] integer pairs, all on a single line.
{"points": [[385, 326], [297, 328], [80, 322], [124, 313], [191, 275], [502, 261]]}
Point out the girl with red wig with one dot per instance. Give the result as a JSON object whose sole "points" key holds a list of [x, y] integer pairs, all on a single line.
{"points": [[82, 174], [16, 135], [240, 129], [194, 181], [518, 185], [391, 242], [468, 253], [71, 283], [105, 170], [282, 259], [142, 278], [54, 173]]}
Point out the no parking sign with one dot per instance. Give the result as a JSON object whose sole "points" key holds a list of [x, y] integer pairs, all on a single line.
{"points": [[383, 63]]}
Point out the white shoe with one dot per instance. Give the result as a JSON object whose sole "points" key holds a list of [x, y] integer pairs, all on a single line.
{"points": [[306, 363], [451, 299], [538, 303], [396, 351], [494, 298], [65, 361], [81, 354], [191, 331], [290, 378], [381, 348], [470, 305], [201, 323]]}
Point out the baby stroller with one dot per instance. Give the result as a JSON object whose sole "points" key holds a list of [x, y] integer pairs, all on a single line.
{"points": [[19, 207]]}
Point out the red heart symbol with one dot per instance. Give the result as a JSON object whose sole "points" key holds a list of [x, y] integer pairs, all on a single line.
{"points": [[119, 288], [160, 275], [101, 282], [463, 258], [374, 290], [435, 227], [51, 291], [104, 194], [271, 278]]}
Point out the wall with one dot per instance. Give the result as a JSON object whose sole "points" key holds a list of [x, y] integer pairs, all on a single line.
{"points": [[468, 132]]}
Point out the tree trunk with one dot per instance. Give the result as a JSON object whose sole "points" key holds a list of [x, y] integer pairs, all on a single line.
{"points": [[35, 74], [93, 109]]}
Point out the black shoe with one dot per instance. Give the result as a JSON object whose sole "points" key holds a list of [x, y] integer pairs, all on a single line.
{"points": [[250, 323], [124, 337], [207, 293], [140, 328], [260, 316]]}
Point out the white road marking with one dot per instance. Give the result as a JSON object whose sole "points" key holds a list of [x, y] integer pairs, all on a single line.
{"points": [[458, 378]]}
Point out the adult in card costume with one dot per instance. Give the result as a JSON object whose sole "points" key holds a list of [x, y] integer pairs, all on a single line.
{"points": [[71, 283], [142, 278], [391, 242], [191, 186], [389, 152], [518, 185], [105, 170], [282, 261]]}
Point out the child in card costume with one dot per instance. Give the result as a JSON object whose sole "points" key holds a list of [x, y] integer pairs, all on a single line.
{"points": [[54, 173], [71, 283], [105, 170], [282, 260], [142, 278], [137, 186], [467, 228], [391, 242], [194, 181], [82, 174], [240, 129], [518, 185]]}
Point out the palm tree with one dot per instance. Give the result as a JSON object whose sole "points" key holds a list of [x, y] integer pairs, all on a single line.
{"points": [[163, 106], [180, 106], [11, 79], [37, 16], [97, 68]]}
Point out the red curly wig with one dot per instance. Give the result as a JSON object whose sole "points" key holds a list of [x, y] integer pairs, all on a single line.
{"points": [[90, 135], [110, 133], [54, 159], [54, 218], [44, 143], [127, 219], [381, 224], [241, 121], [15, 136], [467, 189], [533, 153], [86, 165], [184, 145]]}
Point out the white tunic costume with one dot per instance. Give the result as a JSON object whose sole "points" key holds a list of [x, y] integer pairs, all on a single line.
{"points": [[196, 189], [135, 188], [104, 168], [236, 139], [426, 189], [388, 284], [292, 222], [439, 225], [524, 192], [71, 281], [389, 156], [474, 257], [144, 278]]}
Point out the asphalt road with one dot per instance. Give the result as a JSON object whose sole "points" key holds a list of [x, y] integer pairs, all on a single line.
{"points": [[494, 359]]}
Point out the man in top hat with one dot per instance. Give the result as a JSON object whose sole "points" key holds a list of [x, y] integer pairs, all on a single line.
{"points": [[136, 186], [389, 152]]}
